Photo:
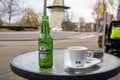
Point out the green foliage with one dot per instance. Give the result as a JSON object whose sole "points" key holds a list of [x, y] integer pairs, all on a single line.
{"points": [[4, 29], [30, 18]]}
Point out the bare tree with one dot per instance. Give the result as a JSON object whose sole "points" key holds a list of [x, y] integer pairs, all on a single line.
{"points": [[69, 16], [1, 22], [113, 4], [68, 23], [9, 8], [95, 12], [109, 4], [95, 15], [106, 5]]}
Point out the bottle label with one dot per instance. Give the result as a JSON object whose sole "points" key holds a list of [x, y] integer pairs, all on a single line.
{"points": [[42, 56], [43, 51]]}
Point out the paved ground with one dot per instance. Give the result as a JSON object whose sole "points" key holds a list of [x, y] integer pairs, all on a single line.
{"points": [[33, 35], [9, 49]]}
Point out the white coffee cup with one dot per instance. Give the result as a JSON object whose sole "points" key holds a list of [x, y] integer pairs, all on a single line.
{"points": [[78, 55]]}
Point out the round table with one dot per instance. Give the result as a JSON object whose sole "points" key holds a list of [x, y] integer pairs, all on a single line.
{"points": [[26, 65]]}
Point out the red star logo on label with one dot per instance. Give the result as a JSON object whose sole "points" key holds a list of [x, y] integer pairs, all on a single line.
{"points": [[42, 48]]}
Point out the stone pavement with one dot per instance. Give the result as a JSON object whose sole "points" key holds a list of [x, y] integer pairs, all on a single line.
{"points": [[9, 49]]}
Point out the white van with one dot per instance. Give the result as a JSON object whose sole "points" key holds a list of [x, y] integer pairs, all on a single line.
{"points": [[56, 29]]}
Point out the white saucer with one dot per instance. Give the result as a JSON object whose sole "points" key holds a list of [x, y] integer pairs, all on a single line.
{"points": [[88, 64]]}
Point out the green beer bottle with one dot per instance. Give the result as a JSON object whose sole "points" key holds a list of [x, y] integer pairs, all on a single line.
{"points": [[45, 45]]}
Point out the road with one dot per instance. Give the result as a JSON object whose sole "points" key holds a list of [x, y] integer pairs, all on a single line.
{"points": [[61, 39], [18, 36], [4, 36]]}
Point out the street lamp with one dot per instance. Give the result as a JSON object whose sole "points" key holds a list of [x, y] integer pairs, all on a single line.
{"points": [[119, 2], [105, 22], [44, 7]]}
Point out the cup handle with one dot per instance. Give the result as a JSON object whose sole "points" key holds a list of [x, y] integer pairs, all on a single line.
{"points": [[90, 54]]}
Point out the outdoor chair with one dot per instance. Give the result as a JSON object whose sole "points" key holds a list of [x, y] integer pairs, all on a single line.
{"points": [[112, 38]]}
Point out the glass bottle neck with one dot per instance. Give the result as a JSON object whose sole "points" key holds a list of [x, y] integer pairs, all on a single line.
{"points": [[45, 25]]}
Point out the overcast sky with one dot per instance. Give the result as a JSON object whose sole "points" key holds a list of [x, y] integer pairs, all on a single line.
{"points": [[80, 8]]}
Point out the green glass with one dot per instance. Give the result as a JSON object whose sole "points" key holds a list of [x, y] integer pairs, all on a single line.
{"points": [[45, 45]]}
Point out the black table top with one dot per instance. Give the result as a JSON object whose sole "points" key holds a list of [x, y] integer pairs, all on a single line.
{"points": [[26, 65]]}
